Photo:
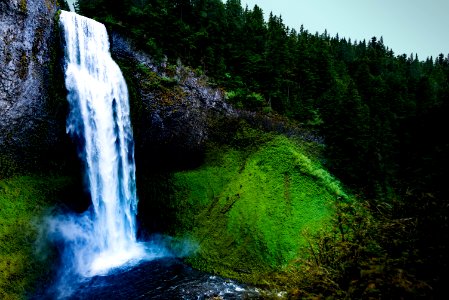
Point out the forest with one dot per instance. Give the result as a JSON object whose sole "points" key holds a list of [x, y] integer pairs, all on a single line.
{"points": [[381, 115]]}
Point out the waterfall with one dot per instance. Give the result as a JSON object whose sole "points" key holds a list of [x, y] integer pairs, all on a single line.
{"points": [[71, 4], [105, 236]]}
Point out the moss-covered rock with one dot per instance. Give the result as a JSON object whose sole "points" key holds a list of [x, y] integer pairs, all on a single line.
{"points": [[251, 210], [23, 200]]}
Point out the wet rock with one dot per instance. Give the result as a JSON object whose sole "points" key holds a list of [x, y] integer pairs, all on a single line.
{"points": [[30, 127]]}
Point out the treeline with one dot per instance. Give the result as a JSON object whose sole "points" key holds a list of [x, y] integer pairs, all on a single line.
{"points": [[381, 114]]}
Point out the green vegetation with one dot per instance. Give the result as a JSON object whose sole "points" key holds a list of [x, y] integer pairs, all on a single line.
{"points": [[23, 200], [354, 259], [23, 6], [251, 210]]}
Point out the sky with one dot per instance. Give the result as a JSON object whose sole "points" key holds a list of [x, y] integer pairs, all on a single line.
{"points": [[407, 26]]}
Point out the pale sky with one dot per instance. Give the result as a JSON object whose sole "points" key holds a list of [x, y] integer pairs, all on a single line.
{"points": [[407, 26], [418, 26]]}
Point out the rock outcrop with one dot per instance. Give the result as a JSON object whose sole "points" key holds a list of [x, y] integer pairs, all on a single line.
{"points": [[173, 107], [31, 123]]}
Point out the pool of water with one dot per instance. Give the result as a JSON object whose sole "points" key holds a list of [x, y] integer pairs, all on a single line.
{"points": [[159, 279]]}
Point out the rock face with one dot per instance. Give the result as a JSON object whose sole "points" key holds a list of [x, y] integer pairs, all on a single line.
{"points": [[172, 107], [30, 124]]}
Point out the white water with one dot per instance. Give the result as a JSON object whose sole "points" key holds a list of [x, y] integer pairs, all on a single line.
{"points": [[104, 237], [71, 4]]}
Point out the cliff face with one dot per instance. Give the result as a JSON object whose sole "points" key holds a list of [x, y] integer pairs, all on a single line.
{"points": [[173, 108], [31, 125]]}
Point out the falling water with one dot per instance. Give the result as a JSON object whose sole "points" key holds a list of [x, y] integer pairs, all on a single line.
{"points": [[105, 236]]}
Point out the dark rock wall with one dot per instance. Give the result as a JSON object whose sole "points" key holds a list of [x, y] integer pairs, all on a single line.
{"points": [[172, 108], [32, 123]]}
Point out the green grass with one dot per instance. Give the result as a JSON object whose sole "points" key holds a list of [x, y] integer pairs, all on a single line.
{"points": [[22, 201], [251, 210]]}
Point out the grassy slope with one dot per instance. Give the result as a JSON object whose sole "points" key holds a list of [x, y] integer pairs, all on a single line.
{"points": [[251, 211], [22, 201]]}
